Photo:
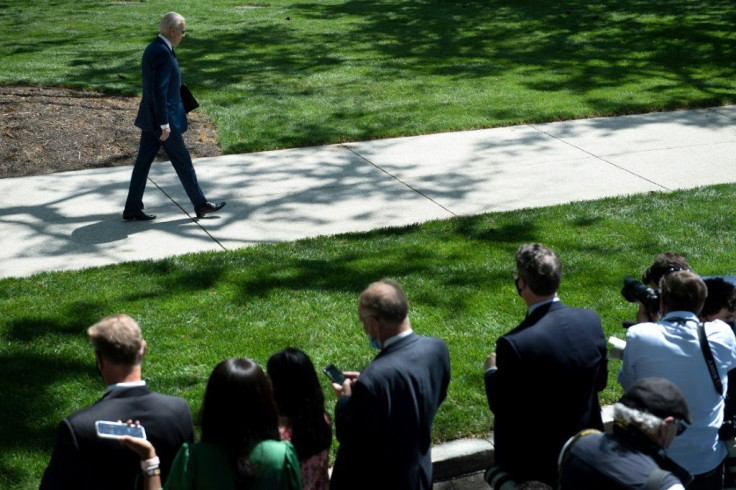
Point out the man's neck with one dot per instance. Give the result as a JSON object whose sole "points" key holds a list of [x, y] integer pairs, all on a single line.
{"points": [[122, 374]]}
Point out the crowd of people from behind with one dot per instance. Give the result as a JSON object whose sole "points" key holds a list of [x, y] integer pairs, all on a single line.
{"points": [[674, 425], [263, 430], [270, 429]]}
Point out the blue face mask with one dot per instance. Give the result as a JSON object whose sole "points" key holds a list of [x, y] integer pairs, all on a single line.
{"points": [[373, 342]]}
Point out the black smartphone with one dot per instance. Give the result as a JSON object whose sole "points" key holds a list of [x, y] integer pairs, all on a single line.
{"points": [[334, 374]]}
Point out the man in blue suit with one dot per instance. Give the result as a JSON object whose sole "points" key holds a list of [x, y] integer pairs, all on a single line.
{"points": [[384, 415], [162, 120], [542, 382]]}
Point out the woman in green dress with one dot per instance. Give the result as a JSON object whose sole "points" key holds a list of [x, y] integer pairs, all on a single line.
{"points": [[240, 447]]}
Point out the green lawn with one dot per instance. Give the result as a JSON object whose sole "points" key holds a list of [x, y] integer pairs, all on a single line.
{"points": [[292, 74], [196, 310]]}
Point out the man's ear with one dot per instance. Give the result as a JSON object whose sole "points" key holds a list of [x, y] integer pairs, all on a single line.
{"points": [[666, 432], [144, 350], [98, 360]]}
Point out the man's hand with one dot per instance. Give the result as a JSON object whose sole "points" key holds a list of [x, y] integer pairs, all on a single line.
{"points": [[165, 134], [490, 362], [643, 316], [346, 388]]}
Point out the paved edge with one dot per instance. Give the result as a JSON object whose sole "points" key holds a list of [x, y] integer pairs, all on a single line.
{"points": [[466, 456]]}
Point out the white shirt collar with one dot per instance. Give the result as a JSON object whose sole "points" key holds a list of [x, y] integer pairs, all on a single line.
{"points": [[128, 384], [541, 303], [168, 43], [396, 338]]}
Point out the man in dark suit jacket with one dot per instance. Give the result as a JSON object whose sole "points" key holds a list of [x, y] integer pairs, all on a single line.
{"points": [[81, 459], [162, 120], [542, 382], [384, 415]]}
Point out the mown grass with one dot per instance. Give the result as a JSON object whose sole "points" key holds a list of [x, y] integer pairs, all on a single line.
{"points": [[298, 73], [293, 73], [198, 309]]}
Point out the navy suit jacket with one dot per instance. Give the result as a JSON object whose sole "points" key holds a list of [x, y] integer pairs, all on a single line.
{"points": [[161, 102], [81, 460], [550, 370], [385, 426]]}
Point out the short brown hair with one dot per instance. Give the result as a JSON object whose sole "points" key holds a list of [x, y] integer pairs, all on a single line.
{"points": [[118, 339], [683, 291], [540, 268]]}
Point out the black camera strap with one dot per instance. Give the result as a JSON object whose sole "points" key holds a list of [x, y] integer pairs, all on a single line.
{"points": [[709, 361]]}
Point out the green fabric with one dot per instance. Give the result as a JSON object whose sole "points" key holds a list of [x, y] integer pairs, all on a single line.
{"points": [[205, 466]]}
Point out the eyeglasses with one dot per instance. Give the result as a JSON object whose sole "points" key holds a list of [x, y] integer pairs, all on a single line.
{"points": [[680, 427]]}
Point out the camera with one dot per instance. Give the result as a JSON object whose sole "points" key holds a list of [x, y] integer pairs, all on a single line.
{"points": [[634, 291]]}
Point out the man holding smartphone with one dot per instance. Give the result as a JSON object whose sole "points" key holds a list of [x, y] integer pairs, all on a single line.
{"points": [[81, 459], [384, 415]]}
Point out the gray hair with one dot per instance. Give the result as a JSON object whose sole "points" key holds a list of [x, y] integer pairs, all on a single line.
{"points": [[170, 21], [644, 421]]}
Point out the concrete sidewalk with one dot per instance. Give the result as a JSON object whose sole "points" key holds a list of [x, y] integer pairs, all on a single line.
{"points": [[73, 220]]}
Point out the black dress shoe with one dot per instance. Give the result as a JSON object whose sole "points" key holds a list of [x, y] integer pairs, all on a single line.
{"points": [[209, 207], [138, 216]]}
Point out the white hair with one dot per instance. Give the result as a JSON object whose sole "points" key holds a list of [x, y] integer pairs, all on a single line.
{"points": [[169, 21], [644, 421]]}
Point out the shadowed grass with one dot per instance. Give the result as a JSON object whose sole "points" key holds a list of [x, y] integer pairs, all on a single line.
{"points": [[196, 310], [292, 74]]}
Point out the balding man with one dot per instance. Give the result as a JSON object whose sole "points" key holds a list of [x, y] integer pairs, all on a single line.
{"points": [[383, 416], [82, 460]]}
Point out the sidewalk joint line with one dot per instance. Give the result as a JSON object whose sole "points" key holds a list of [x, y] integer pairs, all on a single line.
{"points": [[397, 179], [196, 222], [597, 157]]}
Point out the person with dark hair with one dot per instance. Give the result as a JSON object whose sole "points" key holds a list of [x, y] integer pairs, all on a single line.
{"points": [[673, 349], [665, 263], [647, 419], [384, 415], [556, 356], [240, 447], [302, 416], [720, 303], [83, 460]]}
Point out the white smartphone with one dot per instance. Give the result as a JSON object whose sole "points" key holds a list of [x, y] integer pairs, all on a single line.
{"points": [[116, 430]]}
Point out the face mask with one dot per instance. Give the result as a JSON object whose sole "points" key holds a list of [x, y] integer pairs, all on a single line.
{"points": [[374, 343]]}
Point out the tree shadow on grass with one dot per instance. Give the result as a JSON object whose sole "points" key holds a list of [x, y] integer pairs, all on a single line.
{"points": [[576, 47]]}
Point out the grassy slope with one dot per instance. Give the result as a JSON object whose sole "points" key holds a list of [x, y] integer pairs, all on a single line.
{"points": [[300, 73], [196, 310]]}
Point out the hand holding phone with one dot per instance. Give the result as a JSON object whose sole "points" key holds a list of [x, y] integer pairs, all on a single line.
{"points": [[334, 374], [116, 430]]}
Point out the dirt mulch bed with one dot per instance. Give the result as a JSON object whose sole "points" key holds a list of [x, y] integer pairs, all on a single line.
{"points": [[48, 130]]}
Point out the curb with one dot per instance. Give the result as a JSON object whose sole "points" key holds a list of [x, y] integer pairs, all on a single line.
{"points": [[473, 455]]}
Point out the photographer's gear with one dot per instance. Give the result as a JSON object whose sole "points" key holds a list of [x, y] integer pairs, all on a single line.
{"points": [[634, 291], [498, 479], [726, 433]]}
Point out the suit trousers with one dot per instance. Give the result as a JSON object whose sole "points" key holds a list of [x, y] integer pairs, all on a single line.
{"points": [[180, 159]]}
